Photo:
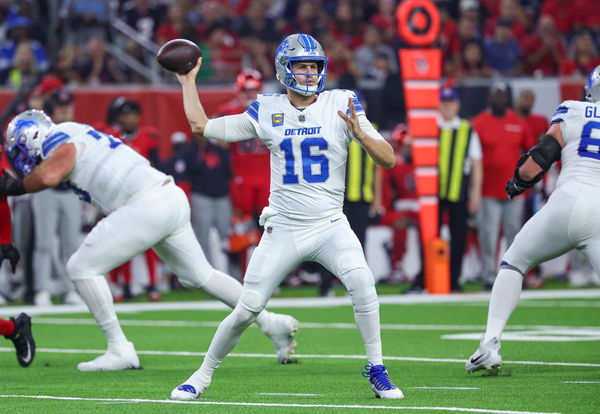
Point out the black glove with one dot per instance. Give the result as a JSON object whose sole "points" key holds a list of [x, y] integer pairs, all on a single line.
{"points": [[513, 189], [10, 186], [10, 253]]}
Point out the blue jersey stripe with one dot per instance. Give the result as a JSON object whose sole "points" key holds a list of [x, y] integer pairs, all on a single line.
{"points": [[357, 107], [53, 142], [252, 113], [253, 110]]}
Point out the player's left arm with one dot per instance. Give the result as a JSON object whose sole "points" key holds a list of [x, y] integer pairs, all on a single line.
{"points": [[362, 130], [532, 165], [47, 174]]}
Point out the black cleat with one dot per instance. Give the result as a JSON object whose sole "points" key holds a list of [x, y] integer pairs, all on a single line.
{"points": [[23, 339]]}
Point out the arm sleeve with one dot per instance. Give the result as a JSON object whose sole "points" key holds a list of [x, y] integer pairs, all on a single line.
{"points": [[5, 227], [230, 128], [367, 127]]}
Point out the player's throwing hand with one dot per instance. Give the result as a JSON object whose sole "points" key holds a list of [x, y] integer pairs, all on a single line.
{"points": [[191, 75]]}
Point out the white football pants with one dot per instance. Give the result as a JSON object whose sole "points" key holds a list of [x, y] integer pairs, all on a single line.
{"points": [[566, 222], [159, 218]]}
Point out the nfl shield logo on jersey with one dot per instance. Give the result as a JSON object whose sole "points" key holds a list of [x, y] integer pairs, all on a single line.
{"points": [[301, 118]]}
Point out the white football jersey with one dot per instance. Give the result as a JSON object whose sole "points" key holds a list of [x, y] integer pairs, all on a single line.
{"points": [[580, 127], [107, 173], [309, 149]]}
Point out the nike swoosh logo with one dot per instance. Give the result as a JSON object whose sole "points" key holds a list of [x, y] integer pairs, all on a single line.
{"points": [[27, 359], [333, 221], [474, 360]]}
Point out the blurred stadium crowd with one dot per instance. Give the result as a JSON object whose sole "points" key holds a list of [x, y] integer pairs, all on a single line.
{"points": [[47, 49]]}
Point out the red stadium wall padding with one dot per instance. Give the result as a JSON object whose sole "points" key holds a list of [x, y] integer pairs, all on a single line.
{"points": [[162, 107]]}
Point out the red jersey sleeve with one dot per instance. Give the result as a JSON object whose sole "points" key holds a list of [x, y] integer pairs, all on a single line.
{"points": [[5, 227]]}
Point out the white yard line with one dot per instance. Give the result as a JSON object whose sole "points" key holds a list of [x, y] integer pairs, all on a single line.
{"points": [[294, 394], [444, 388], [304, 356], [303, 325], [251, 404], [314, 302], [581, 382]]}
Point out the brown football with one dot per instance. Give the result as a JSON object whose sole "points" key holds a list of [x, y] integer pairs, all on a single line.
{"points": [[178, 55]]}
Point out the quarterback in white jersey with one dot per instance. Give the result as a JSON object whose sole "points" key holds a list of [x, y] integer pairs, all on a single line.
{"points": [[143, 207], [307, 131], [568, 221]]}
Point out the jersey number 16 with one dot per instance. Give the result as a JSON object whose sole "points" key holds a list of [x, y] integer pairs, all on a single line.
{"points": [[308, 160]]}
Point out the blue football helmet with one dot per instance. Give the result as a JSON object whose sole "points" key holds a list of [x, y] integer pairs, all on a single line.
{"points": [[300, 47], [24, 138], [592, 87]]}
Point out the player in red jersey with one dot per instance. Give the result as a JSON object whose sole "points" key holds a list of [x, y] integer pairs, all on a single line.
{"points": [[400, 198], [251, 172], [16, 329], [124, 118]]}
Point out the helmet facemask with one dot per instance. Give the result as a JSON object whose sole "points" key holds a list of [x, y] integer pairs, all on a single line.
{"points": [[24, 137], [296, 48], [592, 86]]}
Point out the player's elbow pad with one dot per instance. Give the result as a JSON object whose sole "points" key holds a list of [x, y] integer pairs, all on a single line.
{"points": [[546, 152]]}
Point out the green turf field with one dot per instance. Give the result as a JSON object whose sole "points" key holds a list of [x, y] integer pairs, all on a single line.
{"points": [[552, 365]]}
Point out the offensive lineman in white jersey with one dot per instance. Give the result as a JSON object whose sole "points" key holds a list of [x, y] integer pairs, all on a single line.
{"points": [[307, 132], [568, 221], [143, 207]]}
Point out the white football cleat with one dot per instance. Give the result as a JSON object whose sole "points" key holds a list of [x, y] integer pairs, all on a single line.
{"points": [[191, 388], [186, 392], [381, 385], [486, 357], [118, 357], [281, 331]]}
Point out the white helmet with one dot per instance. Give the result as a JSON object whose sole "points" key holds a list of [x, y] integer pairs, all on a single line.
{"points": [[24, 138], [592, 87], [300, 47]]}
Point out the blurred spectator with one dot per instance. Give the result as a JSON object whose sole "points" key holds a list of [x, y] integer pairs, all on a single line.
{"points": [[400, 202], [473, 62], [588, 16], [309, 18], [582, 57], [212, 13], [504, 137], [250, 166], [224, 52], [468, 30], [255, 23], [502, 51], [144, 140], [257, 55], [563, 13], [177, 164], [449, 44], [57, 217], [545, 50], [341, 61], [510, 10], [23, 68], [460, 176], [175, 26], [210, 172], [143, 16], [96, 66], [470, 9], [20, 53], [536, 122], [346, 25], [87, 19], [385, 20], [365, 56]]}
